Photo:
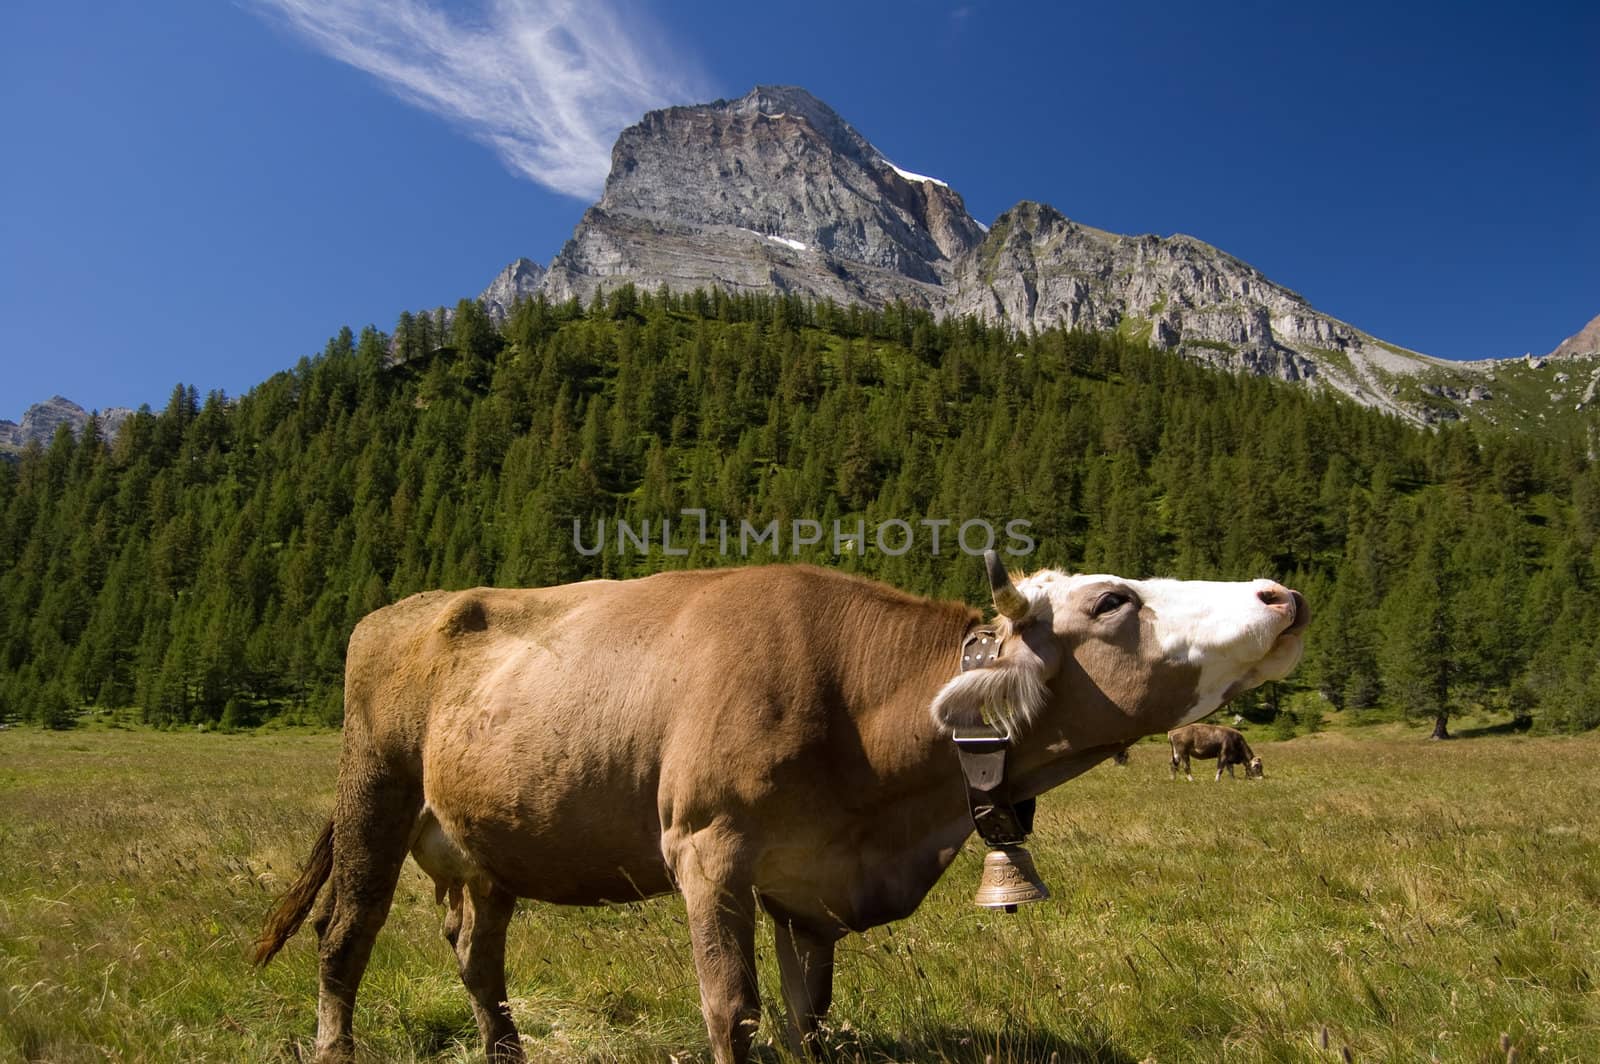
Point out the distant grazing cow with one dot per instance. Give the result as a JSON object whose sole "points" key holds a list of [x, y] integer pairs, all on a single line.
{"points": [[1206, 741], [776, 736]]}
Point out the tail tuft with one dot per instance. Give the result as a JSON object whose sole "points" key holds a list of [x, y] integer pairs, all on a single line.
{"points": [[296, 902]]}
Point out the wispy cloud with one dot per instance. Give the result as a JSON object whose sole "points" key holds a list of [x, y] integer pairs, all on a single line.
{"points": [[547, 84]]}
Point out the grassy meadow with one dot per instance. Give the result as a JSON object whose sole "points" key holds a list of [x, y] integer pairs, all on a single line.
{"points": [[1377, 897]]}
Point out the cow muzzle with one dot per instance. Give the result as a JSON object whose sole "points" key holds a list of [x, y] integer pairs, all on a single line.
{"points": [[1286, 648]]}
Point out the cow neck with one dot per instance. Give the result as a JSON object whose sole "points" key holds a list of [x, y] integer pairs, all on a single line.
{"points": [[1050, 750], [1049, 753], [983, 750], [916, 651]]}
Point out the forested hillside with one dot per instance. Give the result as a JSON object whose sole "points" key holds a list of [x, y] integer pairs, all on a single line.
{"points": [[209, 564]]}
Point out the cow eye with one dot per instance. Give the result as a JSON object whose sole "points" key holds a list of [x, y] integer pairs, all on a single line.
{"points": [[1107, 603]]}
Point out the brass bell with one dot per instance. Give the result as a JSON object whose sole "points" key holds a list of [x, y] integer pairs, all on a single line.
{"points": [[1009, 879]]}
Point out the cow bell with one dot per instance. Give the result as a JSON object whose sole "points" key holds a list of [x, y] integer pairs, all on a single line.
{"points": [[1009, 880]]}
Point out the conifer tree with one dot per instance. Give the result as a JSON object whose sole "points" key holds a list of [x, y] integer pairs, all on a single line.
{"points": [[1414, 655]]}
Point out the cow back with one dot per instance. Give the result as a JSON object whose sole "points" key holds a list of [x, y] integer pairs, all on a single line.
{"points": [[561, 731]]}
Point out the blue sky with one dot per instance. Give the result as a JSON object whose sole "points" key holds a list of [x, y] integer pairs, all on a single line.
{"points": [[204, 192]]}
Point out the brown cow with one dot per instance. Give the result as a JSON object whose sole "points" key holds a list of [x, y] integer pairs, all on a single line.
{"points": [[775, 736], [1206, 741]]}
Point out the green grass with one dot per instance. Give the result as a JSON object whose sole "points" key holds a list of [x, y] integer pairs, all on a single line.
{"points": [[1135, 329], [1521, 394], [1522, 398], [1214, 345], [1412, 899], [1334, 357], [994, 242]]}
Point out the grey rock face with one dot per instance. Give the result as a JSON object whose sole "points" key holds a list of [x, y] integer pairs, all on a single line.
{"points": [[1477, 393], [771, 192], [1037, 268], [518, 281], [40, 421]]}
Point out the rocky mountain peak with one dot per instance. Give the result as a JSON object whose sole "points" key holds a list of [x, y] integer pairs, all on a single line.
{"points": [[774, 192], [771, 191], [777, 102]]}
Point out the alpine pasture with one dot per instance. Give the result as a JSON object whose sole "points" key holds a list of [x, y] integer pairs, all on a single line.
{"points": [[1377, 895]]}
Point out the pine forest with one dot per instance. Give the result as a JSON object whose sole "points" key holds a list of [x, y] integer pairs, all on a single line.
{"points": [[207, 565]]}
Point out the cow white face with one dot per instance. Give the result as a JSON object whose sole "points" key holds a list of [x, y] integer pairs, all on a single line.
{"points": [[1106, 649], [1238, 635]]}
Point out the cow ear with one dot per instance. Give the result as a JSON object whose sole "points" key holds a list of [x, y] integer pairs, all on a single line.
{"points": [[1014, 688]]}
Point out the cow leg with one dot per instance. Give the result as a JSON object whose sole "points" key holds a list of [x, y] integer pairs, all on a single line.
{"points": [[1173, 774], [1188, 774], [805, 963], [372, 823], [722, 928], [476, 928], [1231, 775]]}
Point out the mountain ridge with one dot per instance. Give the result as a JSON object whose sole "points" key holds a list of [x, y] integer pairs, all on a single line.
{"points": [[775, 192]]}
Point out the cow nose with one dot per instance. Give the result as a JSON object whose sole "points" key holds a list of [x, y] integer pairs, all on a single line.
{"points": [[1275, 595], [1291, 603], [1302, 612]]}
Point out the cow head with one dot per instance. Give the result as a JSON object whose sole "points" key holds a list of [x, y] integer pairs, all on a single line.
{"points": [[1097, 659], [1254, 771]]}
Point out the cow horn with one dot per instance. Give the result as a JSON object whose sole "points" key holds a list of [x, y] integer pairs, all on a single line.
{"points": [[1011, 603]]}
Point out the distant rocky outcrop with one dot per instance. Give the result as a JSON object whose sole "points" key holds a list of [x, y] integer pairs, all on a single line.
{"points": [[1578, 359], [1585, 343], [1038, 268], [41, 420], [518, 281]]}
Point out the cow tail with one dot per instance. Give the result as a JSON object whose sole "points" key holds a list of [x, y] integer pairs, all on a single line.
{"points": [[296, 902]]}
